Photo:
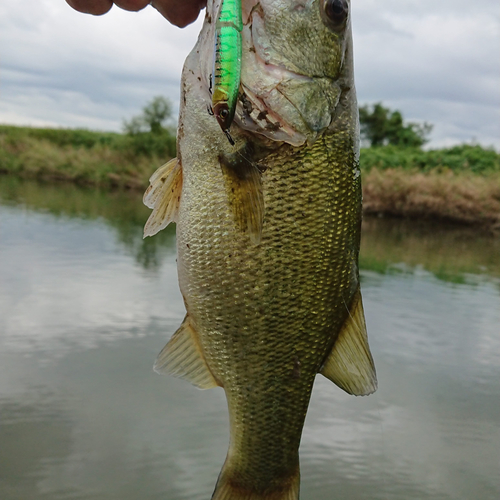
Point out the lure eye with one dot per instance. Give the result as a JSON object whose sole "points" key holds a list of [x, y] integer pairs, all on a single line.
{"points": [[336, 12], [223, 115]]}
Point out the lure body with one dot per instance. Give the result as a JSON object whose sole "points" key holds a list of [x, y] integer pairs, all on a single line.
{"points": [[227, 63]]}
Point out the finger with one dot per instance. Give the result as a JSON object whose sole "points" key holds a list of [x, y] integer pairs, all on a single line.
{"points": [[179, 13], [132, 4], [95, 7]]}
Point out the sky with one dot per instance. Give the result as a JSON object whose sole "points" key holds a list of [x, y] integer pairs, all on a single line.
{"points": [[435, 61]]}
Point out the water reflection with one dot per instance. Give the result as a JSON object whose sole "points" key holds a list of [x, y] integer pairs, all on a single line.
{"points": [[449, 252], [85, 306], [122, 211]]}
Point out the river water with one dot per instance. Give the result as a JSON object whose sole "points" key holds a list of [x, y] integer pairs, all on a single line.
{"points": [[85, 306]]}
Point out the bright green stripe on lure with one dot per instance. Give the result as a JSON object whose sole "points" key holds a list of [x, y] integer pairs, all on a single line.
{"points": [[227, 63]]}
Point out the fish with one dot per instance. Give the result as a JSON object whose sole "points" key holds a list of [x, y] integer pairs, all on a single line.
{"points": [[268, 235]]}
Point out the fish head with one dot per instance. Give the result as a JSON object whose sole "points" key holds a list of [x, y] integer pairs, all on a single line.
{"points": [[297, 73]]}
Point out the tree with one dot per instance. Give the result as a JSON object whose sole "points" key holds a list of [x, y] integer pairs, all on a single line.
{"points": [[152, 119], [381, 126], [149, 133]]}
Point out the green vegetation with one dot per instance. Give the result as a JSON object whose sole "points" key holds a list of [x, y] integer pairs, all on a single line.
{"points": [[465, 158], [82, 156]]}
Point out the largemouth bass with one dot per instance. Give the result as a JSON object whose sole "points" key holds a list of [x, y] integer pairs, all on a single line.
{"points": [[268, 234]]}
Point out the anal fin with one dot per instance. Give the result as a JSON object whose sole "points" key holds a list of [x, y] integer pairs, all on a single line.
{"points": [[350, 363], [163, 196], [182, 357]]}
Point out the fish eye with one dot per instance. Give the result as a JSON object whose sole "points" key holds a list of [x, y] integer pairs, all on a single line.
{"points": [[336, 12], [223, 113]]}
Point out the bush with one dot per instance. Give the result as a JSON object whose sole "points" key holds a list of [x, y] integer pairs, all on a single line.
{"points": [[151, 144], [62, 137], [463, 158]]}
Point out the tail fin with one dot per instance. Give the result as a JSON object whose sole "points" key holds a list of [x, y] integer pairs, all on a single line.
{"points": [[228, 488]]}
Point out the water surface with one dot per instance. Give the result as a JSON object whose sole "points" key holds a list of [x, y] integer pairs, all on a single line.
{"points": [[85, 306]]}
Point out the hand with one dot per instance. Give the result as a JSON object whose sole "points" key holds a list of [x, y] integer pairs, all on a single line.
{"points": [[178, 12]]}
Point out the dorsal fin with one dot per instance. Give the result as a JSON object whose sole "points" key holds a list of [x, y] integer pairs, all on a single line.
{"points": [[183, 358], [350, 363], [163, 196], [244, 189]]}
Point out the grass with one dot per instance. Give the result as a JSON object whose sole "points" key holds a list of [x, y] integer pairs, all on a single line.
{"points": [[102, 159], [465, 158], [457, 197], [459, 184]]}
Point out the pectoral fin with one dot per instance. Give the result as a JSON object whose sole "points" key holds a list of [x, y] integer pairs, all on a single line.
{"points": [[163, 196], [350, 364], [244, 188], [183, 358]]}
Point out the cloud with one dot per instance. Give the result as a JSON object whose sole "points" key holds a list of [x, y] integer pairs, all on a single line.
{"points": [[435, 61], [62, 67]]}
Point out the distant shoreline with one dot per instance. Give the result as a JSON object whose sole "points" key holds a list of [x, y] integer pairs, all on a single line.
{"points": [[460, 184], [447, 196]]}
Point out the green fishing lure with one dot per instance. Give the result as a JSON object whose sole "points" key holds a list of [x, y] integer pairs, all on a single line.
{"points": [[227, 64]]}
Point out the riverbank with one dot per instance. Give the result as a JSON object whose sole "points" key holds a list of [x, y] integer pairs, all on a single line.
{"points": [[103, 159], [459, 184], [462, 198]]}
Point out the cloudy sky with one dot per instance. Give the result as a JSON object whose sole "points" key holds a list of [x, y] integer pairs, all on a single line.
{"points": [[436, 61]]}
